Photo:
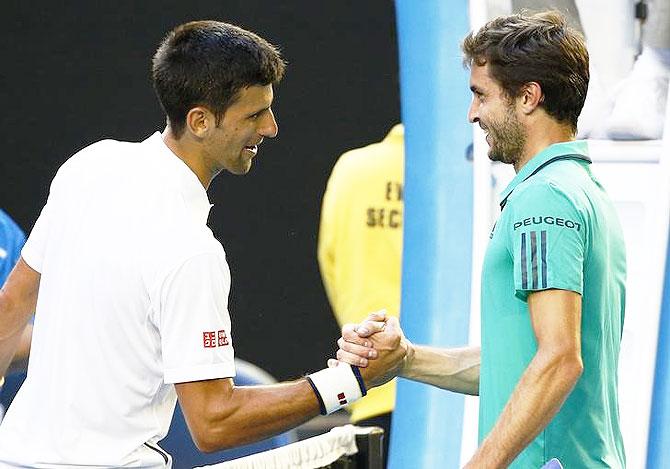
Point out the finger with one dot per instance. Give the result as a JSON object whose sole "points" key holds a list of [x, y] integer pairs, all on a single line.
{"points": [[377, 315], [394, 332], [349, 327], [361, 351], [367, 328], [352, 337], [351, 359]]}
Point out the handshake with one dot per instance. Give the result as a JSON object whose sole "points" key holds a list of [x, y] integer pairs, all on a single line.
{"points": [[371, 353], [375, 351], [377, 346]]}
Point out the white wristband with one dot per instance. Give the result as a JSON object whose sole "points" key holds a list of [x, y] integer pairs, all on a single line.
{"points": [[337, 387]]}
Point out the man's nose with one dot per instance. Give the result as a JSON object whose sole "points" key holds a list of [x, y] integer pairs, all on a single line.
{"points": [[269, 127], [473, 112]]}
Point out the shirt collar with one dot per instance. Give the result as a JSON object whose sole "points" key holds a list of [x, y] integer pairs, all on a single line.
{"points": [[193, 192], [576, 149]]}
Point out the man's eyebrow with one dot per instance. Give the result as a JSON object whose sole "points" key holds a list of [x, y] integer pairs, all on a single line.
{"points": [[258, 111]]}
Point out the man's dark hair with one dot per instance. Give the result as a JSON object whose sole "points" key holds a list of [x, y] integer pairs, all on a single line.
{"points": [[538, 48], [206, 63]]}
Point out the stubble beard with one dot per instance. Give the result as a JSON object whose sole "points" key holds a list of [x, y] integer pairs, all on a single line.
{"points": [[508, 139], [239, 166]]}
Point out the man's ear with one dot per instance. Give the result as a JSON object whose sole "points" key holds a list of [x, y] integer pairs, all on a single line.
{"points": [[531, 97], [200, 121]]}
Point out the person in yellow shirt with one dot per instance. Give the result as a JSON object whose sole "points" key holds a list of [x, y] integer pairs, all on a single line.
{"points": [[360, 249]]}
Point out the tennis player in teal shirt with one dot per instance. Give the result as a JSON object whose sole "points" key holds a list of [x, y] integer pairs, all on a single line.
{"points": [[553, 279], [557, 231]]}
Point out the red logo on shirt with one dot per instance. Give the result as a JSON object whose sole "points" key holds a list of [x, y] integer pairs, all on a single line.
{"points": [[209, 339], [223, 339], [212, 339]]}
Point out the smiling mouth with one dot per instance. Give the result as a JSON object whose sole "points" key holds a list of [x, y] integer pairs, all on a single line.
{"points": [[252, 148], [487, 133]]}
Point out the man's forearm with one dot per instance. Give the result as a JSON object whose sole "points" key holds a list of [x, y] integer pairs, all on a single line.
{"points": [[454, 369], [538, 396], [222, 415], [247, 414]]}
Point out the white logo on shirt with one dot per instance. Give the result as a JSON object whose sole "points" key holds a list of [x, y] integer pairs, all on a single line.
{"points": [[3, 253]]}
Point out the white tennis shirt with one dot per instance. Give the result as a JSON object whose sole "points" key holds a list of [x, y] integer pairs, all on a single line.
{"points": [[133, 298]]}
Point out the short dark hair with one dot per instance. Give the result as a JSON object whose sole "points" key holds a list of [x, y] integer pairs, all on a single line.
{"points": [[537, 47], [206, 63]]}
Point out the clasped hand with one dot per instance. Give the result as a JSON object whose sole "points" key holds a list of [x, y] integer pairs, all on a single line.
{"points": [[377, 346]]}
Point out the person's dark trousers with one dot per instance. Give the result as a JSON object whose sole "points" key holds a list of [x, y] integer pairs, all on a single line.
{"points": [[383, 421]]}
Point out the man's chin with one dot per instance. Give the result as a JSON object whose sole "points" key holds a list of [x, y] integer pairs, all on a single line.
{"points": [[240, 171], [243, 168], [494, 155], [500, 157]]}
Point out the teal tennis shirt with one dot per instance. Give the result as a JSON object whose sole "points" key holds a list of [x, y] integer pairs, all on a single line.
{"points": [[558, 230]]}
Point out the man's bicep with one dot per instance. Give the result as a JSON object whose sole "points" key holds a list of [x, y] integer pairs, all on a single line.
{"points": [[556, 319], [201, 401], [195, 396], [19, 294]]}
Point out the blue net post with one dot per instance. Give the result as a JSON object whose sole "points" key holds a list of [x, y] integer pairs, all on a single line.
{"points": [[437, 252]]}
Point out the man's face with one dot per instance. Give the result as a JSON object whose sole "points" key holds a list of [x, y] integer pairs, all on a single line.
{"points": [[496, 115], [245, 123]]}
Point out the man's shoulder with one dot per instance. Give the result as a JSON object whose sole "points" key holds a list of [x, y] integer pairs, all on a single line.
{"points": [[378, 160], [102, 148], [96, 155], [560, 184], [104, 160], [537, 190]]}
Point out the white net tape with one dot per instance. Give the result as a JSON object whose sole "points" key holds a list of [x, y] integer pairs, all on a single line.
{"points": [[313, 452]]}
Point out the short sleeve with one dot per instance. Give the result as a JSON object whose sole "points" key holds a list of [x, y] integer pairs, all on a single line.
{"points": [[35, 246], [546, 238], [33, 249], [194, 322]]}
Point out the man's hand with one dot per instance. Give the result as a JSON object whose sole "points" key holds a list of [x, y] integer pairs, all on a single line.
{"points": [[377, 346]]}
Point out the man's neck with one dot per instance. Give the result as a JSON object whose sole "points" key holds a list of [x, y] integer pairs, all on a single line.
{"points": [[187, 151], [542, 137]]}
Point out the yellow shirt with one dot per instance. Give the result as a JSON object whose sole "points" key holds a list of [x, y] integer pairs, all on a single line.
{"points": [[360, 243]]}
